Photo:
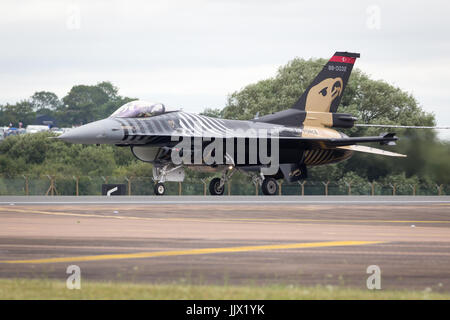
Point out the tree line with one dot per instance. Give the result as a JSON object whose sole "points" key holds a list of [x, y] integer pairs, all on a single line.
{"points": [[82, 104]]}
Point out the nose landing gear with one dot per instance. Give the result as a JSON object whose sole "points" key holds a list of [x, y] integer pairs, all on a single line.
{"points": [[165, 173], [160, 189], [215, 187]]}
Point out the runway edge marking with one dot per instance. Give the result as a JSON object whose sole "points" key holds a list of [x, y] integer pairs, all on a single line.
{"points": [[255, 220], [140, 255]]}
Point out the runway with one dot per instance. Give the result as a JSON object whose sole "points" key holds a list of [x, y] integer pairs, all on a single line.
{"points": [[290, 240]]}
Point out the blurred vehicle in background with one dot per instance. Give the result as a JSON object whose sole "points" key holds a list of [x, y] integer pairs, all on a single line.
{"points": [[36, 128], [12, 131], [59, 130]]}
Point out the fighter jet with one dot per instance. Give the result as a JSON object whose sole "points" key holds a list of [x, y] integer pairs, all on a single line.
{"points": [[281, 145]]}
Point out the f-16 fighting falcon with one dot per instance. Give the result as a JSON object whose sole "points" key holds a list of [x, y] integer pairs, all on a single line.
{"points": [[281, 145]]}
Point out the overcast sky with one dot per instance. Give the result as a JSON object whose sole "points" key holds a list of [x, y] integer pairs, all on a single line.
{"points": [[192, 54]]}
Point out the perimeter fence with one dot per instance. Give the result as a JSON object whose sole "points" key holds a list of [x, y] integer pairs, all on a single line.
{"points": [[85, 185]]}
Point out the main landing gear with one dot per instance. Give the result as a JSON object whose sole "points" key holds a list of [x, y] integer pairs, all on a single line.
{"points": [[269, 187], [217, 185]]}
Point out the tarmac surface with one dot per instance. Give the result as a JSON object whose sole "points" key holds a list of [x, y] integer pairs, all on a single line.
{"points": [[310, 240]]}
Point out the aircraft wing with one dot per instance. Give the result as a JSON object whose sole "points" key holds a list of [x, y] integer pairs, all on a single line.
{"points": [[293, 141]]}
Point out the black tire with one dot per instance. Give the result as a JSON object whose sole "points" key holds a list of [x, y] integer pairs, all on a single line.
{"points": [[270, 187], [159, 189], [214, 189]]}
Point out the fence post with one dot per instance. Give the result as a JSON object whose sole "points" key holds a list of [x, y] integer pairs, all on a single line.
{"points": [[279, 187], [256, 183], [76, 185], [349, 185], [204, 186], [439, 187], [302, 184], [26, 185], [179, 188], [326, 187], [393, 188], [129, 185], [52, 188], [413, 187]]}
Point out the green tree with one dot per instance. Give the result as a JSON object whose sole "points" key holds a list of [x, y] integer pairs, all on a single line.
{"points": [[81, 104], [44, 100], [214, 113], [15, 113], [96, 161], [85, 103]]}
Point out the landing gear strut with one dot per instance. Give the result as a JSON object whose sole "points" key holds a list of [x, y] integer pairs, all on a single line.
{"points": [[163, 174], [217, 185]]}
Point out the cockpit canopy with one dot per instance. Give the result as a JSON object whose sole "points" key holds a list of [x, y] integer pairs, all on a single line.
{"points": [[139, 109]]}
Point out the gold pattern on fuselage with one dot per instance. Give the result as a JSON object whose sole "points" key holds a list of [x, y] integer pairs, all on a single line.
{"points": [[323, 155], [319, 132]]}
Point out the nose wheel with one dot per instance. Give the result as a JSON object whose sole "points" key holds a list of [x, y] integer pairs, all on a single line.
{"points": [[160, 189], [215, 187], [269, 187]]}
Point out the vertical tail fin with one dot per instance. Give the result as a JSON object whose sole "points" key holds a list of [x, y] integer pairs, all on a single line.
{"points": [[325, 91], [318, 104]]}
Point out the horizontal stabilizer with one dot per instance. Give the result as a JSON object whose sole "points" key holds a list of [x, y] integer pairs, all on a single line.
{"points": [[371, 150], [383, 139], [396, 126]]}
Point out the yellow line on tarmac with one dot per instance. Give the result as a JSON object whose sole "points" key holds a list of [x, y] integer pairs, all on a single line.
{"points": [[260, 220], [155, 254]]}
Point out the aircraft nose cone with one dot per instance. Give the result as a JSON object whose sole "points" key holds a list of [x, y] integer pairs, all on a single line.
{"points": [[98, 132]]}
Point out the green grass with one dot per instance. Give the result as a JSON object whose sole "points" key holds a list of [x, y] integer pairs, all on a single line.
{"points": [[53, 289]]}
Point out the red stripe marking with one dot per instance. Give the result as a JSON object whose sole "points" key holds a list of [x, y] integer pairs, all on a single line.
{"points": [[343, 59]]}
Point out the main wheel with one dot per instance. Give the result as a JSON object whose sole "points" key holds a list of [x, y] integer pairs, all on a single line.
{"points": [[160, 189], [214, 187], [269, 187]]}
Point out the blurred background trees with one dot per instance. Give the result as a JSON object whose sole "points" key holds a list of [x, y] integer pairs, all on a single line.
{"points": [[82, 104]]}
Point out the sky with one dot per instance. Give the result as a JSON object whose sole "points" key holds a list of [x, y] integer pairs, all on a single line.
{"points": [[193, 54]]}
